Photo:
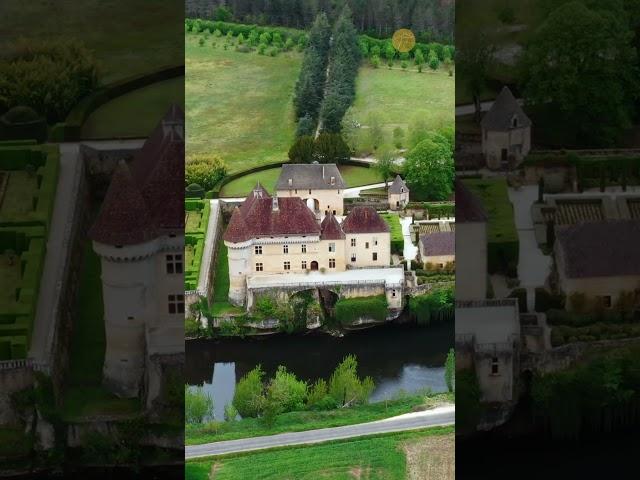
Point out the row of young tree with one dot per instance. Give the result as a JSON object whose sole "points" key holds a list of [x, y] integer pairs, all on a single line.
{"points": [[430, 20], [259, 397]]}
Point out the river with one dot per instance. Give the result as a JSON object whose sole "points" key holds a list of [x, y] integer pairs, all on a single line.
{"points": [[397, 357]]}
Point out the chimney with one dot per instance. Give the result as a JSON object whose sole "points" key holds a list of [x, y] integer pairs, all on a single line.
{"points": [[322, 171], [274, 204]]}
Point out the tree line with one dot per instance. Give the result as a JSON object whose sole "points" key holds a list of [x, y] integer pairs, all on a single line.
{"points": [[430, 20]]}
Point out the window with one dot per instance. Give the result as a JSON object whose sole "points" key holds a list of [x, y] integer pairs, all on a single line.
{"points": [[375, 241], [514, 122], [259, 267], [258, 249], [285, 249], [353, 257], [304, 264], [366, 245], [606, 301], [176, 303], [333, 180], [393, 293], [304, 248], [375, 256], [290, 181], [332, 247], [353, 242], [401, 189], [309, 191], [332, 263], [287, 265], [174, 263], [296, 191], [494, 366]]}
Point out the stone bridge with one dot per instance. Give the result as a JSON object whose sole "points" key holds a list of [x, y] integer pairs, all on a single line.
{"points": [[346, 284]]}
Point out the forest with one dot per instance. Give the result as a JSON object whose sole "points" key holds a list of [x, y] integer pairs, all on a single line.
{"points": [[430, 20]]}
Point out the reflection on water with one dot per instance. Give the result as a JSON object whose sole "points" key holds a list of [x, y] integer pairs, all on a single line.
{"points": [[398, 358]]}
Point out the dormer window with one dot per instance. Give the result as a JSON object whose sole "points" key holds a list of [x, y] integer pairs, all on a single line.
{"points": [[401, 189], [333, 180], [290, 181], [514, 122]]}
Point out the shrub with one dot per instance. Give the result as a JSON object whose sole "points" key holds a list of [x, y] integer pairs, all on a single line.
{"points": [[450, 370], [198, 404], [287, 391], [433, 307], [318, 397], [204, 169], [349, 310], [546, 300], [249, 396], [49, 77], [346, 388]]}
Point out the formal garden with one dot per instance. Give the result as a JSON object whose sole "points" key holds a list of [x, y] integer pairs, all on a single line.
{"points": [[196, 221], [28, 179]]}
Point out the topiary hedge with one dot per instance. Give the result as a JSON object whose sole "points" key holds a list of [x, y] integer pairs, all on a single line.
{"points": [[350, 310], [23, 123]]}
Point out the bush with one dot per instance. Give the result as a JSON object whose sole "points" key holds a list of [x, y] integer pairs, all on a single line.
{"points": [[249, 397], [204, 169], [49, 77], [434, 307], [546, 300], [286, 391], [198, 404], [349, 310], [346, 388], [318, 397]]}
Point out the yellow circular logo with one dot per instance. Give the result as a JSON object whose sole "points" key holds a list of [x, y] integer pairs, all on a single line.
{"points": [[403, 40]]}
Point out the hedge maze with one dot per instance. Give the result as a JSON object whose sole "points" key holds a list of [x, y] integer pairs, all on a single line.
{"points": [[196, 221], [29, 176]]}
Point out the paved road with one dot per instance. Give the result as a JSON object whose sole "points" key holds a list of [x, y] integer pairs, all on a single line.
{"points": [[431, 418], [57, 254]]}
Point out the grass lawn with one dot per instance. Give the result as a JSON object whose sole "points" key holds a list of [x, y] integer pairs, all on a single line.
{"points": [[140, 35], [239, 105], [495, 199], [14, 443], [309, 420], [9, 278], [221, 303], [134, 114], [397, 239], [85, 394], [192, 222], [352, 175], [21, 187], [378, 457], [398, 99]]}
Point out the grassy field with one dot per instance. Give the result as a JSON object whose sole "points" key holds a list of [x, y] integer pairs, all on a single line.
{"points": [[239, 105], [221, 303], [309, 420], [398, 99], [352, 175], [140, 35], [85, 394], [21, 187], [383, 457], [134, 114], [495, 200]]}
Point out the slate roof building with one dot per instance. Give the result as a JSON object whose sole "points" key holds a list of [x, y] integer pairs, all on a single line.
{"points": [[506, 132], [599, 259], [139, 237], [438, 249], [398, 194], [269, 236], [320, 186]]}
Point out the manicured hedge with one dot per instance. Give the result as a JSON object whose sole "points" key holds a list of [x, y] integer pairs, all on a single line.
{"points": [[71, 128], [434, 307], [349, 310], [397, 239], [502, 241], [563, 334], [196, 237]]}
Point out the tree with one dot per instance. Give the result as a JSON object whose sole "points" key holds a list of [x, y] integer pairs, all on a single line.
{"points": [[375, 133], [249, 397], [450, 370], [222, 14], [306, 126], [331, 148], [384, 165], [418, 131], [475, 57], [418, 57], [204, 169], [581, 69], [429, 169], [345, 387], [434, 61], [198, 404], [389, 52], [286, 391], [302, 150], [467, 400]]}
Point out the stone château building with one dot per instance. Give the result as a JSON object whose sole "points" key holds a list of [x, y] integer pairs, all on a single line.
{"points": [[320, 186], [139, 237], [398, 194], [506, 132]]}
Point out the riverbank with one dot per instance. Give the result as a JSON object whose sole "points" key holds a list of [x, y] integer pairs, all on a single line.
{"points": [[216, 431]]}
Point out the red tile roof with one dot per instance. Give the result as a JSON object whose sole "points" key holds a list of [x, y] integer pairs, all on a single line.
{"points": [[258, 218], [145, 199], [364, 220], [331, 229]]}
